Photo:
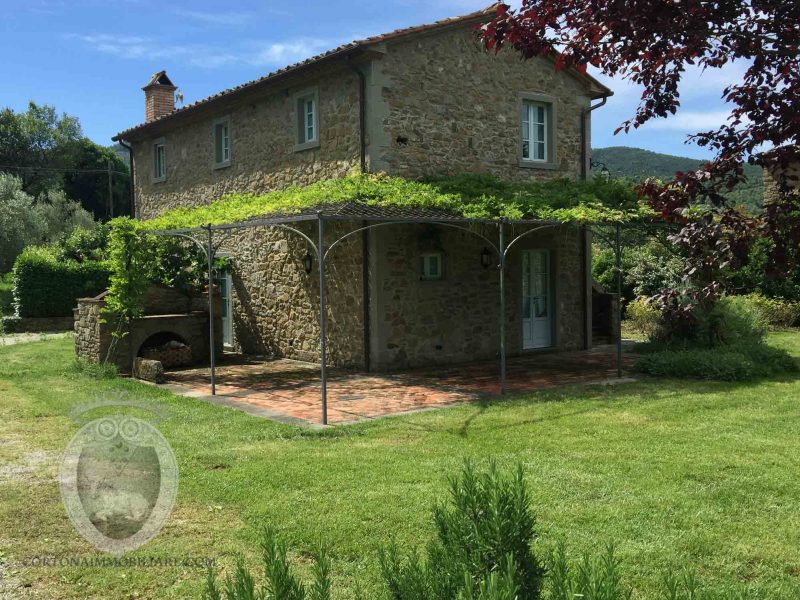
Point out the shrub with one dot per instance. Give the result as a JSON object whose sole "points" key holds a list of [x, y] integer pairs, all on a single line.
{"points": [[732, 320], [778, 312], [645, 318], [84, 244], [280, 583], [45, 286], [738, 362], [486, 528]]}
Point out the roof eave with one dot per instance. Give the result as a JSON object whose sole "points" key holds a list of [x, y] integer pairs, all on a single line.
{"points": [[146, 129]]}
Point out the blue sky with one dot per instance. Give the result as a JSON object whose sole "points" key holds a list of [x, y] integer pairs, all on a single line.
{"points": [[90, 58]]}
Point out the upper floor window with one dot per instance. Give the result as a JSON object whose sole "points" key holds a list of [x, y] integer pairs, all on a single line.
{"points": [[159, 160], [307, 120], [538, 133], [534, 131], [222, 142]]}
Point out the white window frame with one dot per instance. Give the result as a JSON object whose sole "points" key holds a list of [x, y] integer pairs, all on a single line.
{"points": [[159, 176], [301, 100], [528, 130], [225, 124], [426, 273]]}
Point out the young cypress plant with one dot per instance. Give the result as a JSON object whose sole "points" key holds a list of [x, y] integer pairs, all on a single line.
{"points": [[484, 534], [280, 583]]}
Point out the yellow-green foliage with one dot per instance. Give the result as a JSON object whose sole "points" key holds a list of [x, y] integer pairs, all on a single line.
{"points": [[472, 196], [644, 317]]}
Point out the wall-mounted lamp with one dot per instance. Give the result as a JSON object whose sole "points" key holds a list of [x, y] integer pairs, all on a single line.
{"points": [[307, 262], [486, 258]]}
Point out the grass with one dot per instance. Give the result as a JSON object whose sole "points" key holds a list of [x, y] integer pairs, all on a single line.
{"points": [[673, 472]]}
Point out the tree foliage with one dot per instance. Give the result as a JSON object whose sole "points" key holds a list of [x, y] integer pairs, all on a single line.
{"points": [[43, 148], [652, 44], [26, 221]]}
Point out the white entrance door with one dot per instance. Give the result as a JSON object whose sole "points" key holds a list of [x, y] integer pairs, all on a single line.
{"points": [[225, 283], [536, 300]]}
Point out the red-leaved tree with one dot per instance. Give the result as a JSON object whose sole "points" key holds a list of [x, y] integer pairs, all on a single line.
{"points": [[652, 42]]}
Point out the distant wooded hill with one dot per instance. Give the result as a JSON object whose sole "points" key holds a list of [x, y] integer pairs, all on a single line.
{"points": [[638, 164]]}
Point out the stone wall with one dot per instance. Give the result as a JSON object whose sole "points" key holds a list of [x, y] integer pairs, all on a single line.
{"points": [[455, 319], [442, 105], [276, 303], [93, 336], [263, 157], [91, 339]]}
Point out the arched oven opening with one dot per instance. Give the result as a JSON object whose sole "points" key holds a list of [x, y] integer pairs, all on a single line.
{"points": [[167, 347]]}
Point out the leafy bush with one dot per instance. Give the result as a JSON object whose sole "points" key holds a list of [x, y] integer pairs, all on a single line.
{"points": [[83, 244], [486, 528], [280, 583], [645, 318], [45, 286], [777, 311], [732, 320], [739, 362]]}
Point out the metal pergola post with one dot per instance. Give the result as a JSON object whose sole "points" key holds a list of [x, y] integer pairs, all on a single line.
{"points": [[502, 266], [323, 342], [618, 258], [212, 343]]}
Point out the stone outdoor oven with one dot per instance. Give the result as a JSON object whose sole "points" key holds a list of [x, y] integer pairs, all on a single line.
{"points": [[173, 329]]}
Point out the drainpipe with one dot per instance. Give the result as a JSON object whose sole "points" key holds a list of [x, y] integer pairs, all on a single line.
{"points": [[129, 148], [365, 237], [584, 114], [362, 114], [587, 252]]}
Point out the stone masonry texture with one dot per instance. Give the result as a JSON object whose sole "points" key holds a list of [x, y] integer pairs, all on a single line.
{"points": [[436, 104]]}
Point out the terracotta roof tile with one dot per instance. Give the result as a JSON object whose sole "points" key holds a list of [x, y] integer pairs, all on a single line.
{"points": [[339, 51]]}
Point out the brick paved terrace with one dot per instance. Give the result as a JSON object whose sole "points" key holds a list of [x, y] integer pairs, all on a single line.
{"points": [[289, 391]]}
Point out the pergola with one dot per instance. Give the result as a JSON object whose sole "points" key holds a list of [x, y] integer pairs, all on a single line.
{"points": [[211, 237]]}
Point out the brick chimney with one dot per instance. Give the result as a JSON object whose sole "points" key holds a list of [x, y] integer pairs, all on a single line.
{"points": [[159, 97]]}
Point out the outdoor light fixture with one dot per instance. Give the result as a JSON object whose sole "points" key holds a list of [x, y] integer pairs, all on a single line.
{"points": [[486, 258], [307, 261]]}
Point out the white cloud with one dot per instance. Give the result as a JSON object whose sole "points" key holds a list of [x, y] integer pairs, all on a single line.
{"points": [[288, 52], [252, 53]]}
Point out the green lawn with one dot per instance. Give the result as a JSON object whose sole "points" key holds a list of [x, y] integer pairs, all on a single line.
{"points": [[672, 472]]}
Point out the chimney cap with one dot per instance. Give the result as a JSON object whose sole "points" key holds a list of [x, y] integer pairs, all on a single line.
{"points": [[159, 79]]}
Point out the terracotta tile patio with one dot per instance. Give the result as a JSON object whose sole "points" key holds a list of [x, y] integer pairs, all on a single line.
{"points": [[289, 391]]}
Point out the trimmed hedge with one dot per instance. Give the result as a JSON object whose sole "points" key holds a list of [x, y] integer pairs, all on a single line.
{"points": [[735, 362], [45, 286]]}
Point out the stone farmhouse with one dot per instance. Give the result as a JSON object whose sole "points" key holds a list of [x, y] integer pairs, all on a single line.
{"points": [[414, 103]]}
